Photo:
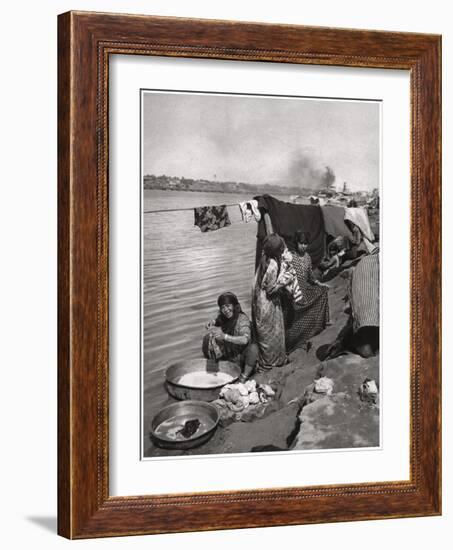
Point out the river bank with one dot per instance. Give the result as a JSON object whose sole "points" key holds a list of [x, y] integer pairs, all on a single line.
{"points": [[299, 418]]}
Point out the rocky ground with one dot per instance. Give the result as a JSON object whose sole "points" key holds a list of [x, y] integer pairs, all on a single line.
{"points": [[300, 418]]}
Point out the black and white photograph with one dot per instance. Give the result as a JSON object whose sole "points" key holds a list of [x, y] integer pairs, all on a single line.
{"points": [[226, 290], [260, 273]]}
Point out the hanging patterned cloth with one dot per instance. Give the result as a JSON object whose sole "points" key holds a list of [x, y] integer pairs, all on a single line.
{"points": [[210, 218]]}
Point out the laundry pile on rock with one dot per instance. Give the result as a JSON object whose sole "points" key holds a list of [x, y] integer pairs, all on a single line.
{"points": [[244, 401]]}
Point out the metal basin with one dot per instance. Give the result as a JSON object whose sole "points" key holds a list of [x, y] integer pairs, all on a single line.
{"points": [[200, 379], [173, 417]]}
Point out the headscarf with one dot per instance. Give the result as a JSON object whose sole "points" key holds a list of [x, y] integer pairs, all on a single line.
{"points": [[227, 298], [228, 324], [273, 247]]}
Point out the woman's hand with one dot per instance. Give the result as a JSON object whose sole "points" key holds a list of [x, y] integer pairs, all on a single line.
{"points": [[210, 324], [219, 335], [273, 290], [322, 285]]}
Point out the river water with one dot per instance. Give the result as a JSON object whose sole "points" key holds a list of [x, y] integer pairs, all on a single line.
{"points": [[184, 271]]}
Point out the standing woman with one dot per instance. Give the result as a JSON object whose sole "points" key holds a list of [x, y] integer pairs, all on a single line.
{"points": [[267, 313], [311, 315]]}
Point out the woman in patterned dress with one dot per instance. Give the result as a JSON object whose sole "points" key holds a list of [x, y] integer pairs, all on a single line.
{"points": [[311, 315], [267, 313]]}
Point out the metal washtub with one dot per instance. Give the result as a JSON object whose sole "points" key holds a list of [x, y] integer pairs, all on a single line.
{"points": [[179, 413], [210, 392]]}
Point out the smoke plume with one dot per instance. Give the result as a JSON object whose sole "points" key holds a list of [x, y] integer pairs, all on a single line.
{"points": [[305, 172]]}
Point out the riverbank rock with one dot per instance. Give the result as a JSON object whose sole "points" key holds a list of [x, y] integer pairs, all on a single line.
{"points": [[343, 419], [349, 371], [305, 370], [336, 422], [275, 432]]}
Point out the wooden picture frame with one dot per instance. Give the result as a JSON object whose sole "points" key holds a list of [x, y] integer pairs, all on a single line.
{"points": [[85, 41]]}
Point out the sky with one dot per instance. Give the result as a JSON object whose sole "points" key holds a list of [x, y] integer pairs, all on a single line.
{"points": [[252, 139]]}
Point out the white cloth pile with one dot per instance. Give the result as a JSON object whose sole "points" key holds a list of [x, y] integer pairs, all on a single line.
{"points": [[238, 397]]}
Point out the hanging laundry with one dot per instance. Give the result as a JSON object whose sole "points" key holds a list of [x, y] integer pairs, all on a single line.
{"points": [[334, 221], [359, 217], [249, 210], [210, 218]]}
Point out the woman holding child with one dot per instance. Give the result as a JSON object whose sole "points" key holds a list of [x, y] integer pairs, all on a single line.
{"points": [[267, 313]]}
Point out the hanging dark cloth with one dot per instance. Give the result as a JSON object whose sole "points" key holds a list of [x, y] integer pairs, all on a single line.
{"points": [[286, 219], [334, 221]]}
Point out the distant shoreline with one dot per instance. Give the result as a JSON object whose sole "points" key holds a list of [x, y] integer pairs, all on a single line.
{"points": [[174, 183], [171, 183], [213, 191]]}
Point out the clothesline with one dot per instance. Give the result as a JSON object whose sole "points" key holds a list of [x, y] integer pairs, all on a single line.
{"points": [[181, 209], [211, 218]]}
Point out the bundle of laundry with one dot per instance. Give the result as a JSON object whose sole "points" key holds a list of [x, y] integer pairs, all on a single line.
{"points": [[237, 397]]}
